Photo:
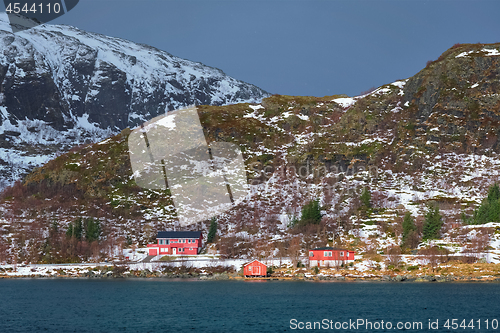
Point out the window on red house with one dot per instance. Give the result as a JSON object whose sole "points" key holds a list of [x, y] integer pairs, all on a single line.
{"points": [[311, 254]]}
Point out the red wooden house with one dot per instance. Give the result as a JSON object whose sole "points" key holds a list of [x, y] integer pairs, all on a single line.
{"points": [[330, 257], [176, 243], [254, 269]]}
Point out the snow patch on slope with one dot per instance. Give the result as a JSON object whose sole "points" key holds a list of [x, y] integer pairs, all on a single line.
{"points": [[488, 53]]}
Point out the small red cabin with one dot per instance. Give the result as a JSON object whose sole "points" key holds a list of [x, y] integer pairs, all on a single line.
{"points": [[176, 243], [254, 268], [330, 257]]}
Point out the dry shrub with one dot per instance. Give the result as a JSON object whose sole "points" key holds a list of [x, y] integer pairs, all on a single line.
{"points": [[393, 255], [220, 269], [370, 90], [433, 255]]}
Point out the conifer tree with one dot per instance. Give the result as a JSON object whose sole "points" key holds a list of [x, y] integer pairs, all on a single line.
{"points": [[92, 229], [489, 210], [408, 228], [69, 232], [494, 193], [75, 229], [311, 213], [366, 198], [212, 231], [432, 224]]}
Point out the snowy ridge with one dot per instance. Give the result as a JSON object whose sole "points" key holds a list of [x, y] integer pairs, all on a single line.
{"points": [[65, 87], [347, 102]]}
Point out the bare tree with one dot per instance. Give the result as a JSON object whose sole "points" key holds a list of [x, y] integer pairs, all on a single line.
{"points": [[479, 242], [281, 251], [269, 248], [228, 247], [393, 255], [95, 251], [430, 255], [397, 226], [3, 250], [121, 245], [294, 250], [371, 254]]}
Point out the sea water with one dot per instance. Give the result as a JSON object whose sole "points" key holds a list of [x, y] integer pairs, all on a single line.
{"points": [[156, 305]]}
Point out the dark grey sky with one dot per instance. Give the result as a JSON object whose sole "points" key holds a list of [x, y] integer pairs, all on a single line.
{"points": [[298, 47]]}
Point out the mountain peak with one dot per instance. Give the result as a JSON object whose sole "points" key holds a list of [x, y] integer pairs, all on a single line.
{"points": [[62, 86]]}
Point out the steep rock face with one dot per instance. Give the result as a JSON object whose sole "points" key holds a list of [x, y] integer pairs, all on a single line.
{"points": [[460, 95], [60, 87]]}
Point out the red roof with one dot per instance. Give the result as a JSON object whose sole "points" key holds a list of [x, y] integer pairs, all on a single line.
{"points": [[248, 263]]}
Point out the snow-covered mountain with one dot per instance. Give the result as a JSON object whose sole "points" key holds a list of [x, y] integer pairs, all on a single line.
{"points": [[61, 87]]}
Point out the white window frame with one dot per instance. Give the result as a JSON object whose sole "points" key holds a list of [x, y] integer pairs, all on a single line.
{"points": [[341, 253], [311, 254]]}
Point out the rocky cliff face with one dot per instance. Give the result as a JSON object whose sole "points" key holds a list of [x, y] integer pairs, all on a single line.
{"points": [[60, 87], [456, 99]]}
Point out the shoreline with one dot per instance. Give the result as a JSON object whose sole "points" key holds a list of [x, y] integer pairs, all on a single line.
{"points": [[450, 272], [234, 277]]}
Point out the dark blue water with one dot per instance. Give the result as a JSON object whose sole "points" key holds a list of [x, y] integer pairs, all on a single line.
{"points": [[81, 305]]}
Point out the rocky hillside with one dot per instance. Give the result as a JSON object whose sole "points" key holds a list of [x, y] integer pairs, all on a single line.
{"points": [[61, 87], [432, 138]]}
